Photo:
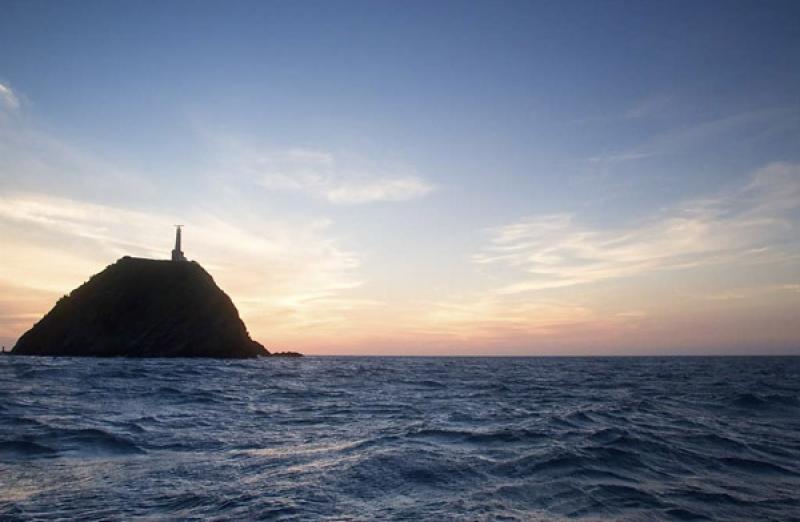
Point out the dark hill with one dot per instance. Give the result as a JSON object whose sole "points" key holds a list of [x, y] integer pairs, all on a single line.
{"points": [[143, 308]]}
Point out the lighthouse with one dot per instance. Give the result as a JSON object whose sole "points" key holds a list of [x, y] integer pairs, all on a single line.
{"points": [[177, 253]]}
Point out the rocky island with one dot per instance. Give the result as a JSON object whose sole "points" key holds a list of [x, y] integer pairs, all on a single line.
{"points": [[144, 308]]}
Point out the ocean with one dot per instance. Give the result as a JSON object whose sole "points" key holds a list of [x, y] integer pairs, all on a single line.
{"points": [[372, 438]]}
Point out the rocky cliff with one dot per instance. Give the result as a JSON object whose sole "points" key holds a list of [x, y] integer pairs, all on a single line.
{"points": [[143, 308]]}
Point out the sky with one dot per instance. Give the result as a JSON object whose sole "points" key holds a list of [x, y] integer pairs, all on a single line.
{"points": [[417, 178]]}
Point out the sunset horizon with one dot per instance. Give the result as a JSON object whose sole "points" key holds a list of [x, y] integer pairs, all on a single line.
{"points": [[372, 181]]}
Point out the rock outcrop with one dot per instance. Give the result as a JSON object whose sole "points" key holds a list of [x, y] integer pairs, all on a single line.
{"points": [[143, 308]]}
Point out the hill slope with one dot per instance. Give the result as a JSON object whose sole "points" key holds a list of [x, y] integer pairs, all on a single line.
{"points": [[143, 308]]}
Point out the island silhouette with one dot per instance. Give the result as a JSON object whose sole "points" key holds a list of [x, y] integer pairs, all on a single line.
{"points": [[140, 307]]}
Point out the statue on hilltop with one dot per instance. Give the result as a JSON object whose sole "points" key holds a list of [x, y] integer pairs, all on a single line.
{"points": [[177, 253]]}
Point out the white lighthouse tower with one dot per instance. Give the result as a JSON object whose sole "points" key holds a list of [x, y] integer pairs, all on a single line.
{"points": [[177, 253]]}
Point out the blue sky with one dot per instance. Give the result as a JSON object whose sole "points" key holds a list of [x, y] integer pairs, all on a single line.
{"points": [[401, 142]]}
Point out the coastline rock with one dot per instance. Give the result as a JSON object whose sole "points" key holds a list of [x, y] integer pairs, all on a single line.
{"points": [[143, 308]]}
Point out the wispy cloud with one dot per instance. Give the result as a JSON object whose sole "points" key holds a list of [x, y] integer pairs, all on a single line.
{"points": [[8, 99], [648, 106], [750, 224], [33, 159], [325, 176], [392, 189], [681, 139], [620, 157]]}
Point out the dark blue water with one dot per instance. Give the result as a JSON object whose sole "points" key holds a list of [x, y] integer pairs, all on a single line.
{"points": [[401, 438]]}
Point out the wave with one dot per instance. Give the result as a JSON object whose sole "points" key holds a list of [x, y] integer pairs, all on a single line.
{"points": [[684, 514], [503, 436], [92, 441], [24, 448], [715, 441], [406, 471], [754, 401], [756, 466]]}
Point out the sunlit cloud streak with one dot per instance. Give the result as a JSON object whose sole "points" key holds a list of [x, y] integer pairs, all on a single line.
{"points": [[750, 224], [649, 106], [34, 160], [677, 140], [8, 99], [321, 175]]}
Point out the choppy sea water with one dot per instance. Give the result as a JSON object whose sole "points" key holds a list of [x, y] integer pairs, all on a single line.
{"points": [[400, 438]]}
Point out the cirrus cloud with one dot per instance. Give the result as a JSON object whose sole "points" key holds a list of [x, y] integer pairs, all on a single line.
{"points": [[7, 98], [754, 223], [322, 175]]}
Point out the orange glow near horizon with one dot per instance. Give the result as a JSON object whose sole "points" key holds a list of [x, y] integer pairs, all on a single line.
{"points": [[296, 291]]}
